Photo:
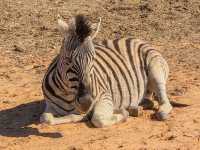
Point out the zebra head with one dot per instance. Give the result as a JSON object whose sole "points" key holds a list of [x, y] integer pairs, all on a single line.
{"points": [[77, 46]]}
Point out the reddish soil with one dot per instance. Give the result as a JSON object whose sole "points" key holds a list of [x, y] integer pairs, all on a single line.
{"points": [[29, 40]]}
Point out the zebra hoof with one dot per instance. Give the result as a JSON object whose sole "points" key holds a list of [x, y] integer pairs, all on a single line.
{"points": [[161, 116], [163, 111], [135, 112], [125, 114], [147, 104], [47, 118]]}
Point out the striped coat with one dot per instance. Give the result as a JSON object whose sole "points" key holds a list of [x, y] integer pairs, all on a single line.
{"points": [[120, 67]]}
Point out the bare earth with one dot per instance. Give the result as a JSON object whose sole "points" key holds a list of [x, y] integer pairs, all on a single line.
{"points": [[29, 40]]}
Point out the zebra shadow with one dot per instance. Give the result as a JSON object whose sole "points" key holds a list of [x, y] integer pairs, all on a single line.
{"points": [[14, 122]]}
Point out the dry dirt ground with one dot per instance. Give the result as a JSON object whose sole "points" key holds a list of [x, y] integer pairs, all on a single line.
{"points": [[29, 40]]}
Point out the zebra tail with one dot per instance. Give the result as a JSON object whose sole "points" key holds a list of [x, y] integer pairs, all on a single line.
{"points": [[177, 104]]}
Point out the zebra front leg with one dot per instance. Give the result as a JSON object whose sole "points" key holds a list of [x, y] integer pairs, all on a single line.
{"points": [[158, 74], [48, 117], [103, 113], [51, 120]]}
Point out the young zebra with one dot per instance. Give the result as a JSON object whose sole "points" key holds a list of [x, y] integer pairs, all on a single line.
{"points": [[111, 78]]}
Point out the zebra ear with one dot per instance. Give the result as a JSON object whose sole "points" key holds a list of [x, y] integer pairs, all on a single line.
{"points": [[96, 26], [62, 26]]}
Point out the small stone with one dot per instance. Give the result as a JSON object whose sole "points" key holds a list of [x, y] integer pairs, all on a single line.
{"points": [[6, 101], [195, 121], [29, 67], [74, 148], [18, 49], [171, 137]]}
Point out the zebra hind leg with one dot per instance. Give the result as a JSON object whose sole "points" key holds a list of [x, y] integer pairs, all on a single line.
{"points": [[147, 102], [103, 114], [158, 74]]}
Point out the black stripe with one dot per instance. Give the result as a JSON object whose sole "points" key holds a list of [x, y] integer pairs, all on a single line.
{"points": [[116, 45], [128, 46], [53, 63], [142, 64], [55, 81], [95, 82], [59, 105], [91, 86]]}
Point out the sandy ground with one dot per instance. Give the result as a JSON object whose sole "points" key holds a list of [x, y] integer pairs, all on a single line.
{"points": [[29, 40]]}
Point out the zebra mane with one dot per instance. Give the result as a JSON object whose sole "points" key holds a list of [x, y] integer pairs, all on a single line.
{"points": [[83, 28]]}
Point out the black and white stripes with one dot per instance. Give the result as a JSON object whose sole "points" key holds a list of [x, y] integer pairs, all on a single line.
{"points": [[120, 66]]}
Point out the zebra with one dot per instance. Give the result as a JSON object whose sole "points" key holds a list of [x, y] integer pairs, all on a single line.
{"points": [[107, 81]]}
